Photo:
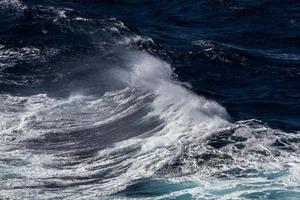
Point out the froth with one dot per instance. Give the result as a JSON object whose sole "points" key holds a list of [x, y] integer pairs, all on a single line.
{"points": [[183, 112], [15, 4]]}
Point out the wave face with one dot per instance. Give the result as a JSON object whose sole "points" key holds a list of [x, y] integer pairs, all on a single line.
{"points": [[149, 100]]}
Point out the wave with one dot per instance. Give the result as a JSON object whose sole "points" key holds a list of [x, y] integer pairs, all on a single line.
{"points": [[153, 128], [242, 53]]}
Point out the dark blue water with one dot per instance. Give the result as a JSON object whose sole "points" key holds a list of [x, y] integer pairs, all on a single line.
{"points": [[149, 99]]}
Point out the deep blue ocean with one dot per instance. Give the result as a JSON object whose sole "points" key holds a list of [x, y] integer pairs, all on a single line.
{"points": [[150, 99]]}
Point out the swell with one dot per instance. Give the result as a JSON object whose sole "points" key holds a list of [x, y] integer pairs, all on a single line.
{"points": [[30, 64], [244, 79]]}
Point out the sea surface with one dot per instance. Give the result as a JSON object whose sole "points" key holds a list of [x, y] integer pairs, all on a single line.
{"points": [[150, 99]]}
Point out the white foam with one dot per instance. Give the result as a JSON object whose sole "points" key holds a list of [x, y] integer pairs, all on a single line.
{"points": [[15, 4], [184, 112], [9, 57], [184, 115], [62, 13], [187, 122], [133, 39], [82, 19], [39, 114]]}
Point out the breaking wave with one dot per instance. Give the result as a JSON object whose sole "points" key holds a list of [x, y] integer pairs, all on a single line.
{"points": [[153, 128]]}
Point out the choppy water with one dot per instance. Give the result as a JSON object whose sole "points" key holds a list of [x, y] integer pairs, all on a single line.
{"points": [[149, 99]]}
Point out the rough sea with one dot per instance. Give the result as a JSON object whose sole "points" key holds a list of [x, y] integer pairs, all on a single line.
{"points": [[149, 99]]}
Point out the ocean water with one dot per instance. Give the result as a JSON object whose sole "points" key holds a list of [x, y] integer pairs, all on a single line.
{"points": [[149, 99]]}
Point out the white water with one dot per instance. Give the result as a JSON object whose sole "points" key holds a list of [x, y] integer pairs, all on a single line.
{"points": [[188, 121], [12, 4], [183, 112]]}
